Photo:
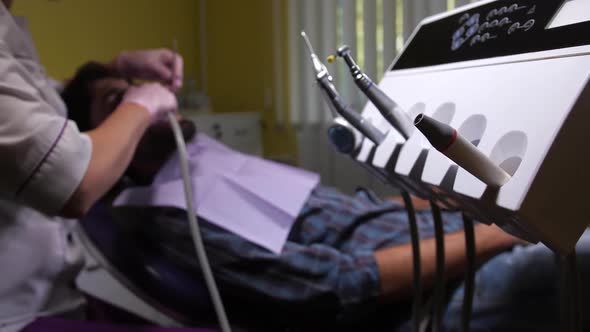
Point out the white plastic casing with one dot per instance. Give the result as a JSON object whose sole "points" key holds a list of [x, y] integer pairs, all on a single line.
{"points": [[530, 114]]}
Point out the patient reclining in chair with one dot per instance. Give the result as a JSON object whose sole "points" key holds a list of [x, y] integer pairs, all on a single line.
{"points": [[346, 262]]}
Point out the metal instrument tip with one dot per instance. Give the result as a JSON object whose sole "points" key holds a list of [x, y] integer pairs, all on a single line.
{"points": [[307, 42]]}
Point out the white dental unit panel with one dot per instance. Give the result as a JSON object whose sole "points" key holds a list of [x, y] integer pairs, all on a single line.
{"points": [[521, 95]]}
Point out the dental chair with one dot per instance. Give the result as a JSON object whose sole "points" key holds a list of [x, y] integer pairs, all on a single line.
{"points": [[128, 274], [511, 76]]}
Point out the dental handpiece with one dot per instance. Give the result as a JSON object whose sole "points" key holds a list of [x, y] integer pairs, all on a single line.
{"points": [[449, 142], [389, 109], [335, 101]]}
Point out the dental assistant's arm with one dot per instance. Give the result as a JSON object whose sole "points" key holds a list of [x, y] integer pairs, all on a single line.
{"points": [[395, 264], [46, 164], [114, 143]]}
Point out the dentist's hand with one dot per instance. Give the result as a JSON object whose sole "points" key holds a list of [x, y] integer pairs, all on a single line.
{"points": [[161, 65], [153, 97]]}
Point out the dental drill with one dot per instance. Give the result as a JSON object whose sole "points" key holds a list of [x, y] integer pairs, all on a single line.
{"points": [[449, 142], [389, 109], [346, 140], [400, 121], [335, 101]]}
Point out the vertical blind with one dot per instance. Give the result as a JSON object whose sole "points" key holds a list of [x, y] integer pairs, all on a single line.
{"points": [[375, 30]]}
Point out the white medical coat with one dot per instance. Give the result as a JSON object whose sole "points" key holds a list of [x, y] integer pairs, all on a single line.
{"points": [[43, 158]]}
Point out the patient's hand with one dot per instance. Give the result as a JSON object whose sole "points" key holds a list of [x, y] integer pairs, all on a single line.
{"points": [[419, 204], [154, 149]]}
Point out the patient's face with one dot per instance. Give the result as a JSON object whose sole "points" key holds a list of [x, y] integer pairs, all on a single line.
{"points": [[106, 96], [156, 145]]}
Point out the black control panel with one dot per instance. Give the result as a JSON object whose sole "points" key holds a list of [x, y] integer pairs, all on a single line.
{"points": [[499, 28]]}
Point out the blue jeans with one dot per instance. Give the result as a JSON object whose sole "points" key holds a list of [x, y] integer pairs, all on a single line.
{"points": [[518, 291]]}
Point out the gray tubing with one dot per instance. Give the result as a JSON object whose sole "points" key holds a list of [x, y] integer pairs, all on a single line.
{"points": [[415, 235], [469, 288], [194, 225], [440, 281]]}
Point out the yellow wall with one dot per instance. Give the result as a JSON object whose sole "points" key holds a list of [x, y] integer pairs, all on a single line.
{"points": [[239, 53], [70, 32], [239, 46], [241, 69]]}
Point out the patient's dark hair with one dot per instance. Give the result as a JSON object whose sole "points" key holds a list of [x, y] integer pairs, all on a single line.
{"points": [[77, 94], [156, 144]]}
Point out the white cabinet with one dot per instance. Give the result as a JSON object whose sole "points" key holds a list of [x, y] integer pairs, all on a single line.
{"points": [[238, 130]]}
